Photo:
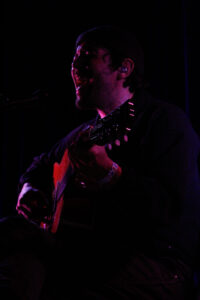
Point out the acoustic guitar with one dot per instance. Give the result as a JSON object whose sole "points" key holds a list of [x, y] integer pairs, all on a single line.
{"points": [[113, 127]]}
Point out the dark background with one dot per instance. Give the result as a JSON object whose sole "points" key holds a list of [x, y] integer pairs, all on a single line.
{"points": [[36, 90]]}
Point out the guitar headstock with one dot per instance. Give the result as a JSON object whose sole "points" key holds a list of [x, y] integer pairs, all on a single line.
{"points": [[114, 126]]}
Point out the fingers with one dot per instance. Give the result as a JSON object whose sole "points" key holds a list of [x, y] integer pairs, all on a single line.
{"points": [[33, 206], [21, 212], [25, 211], [81, 141], [25, 207], [36, 216], [77, 162]]}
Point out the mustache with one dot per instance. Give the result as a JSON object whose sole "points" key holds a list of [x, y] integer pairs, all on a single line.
{"points": [[81, 71]]}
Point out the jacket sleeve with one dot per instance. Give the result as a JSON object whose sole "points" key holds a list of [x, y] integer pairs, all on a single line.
{"points": [[40, 172], [163, 181], [157, 198]]}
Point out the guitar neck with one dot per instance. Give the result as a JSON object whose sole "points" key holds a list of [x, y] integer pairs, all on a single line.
{"points": [[113, 125]]}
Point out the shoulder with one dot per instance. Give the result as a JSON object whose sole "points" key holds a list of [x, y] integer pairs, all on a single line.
{"points": [[169, 116], [165, 126], [59, 148]]}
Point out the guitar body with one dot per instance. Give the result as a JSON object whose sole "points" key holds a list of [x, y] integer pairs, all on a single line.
{"points": [[59, 171]]}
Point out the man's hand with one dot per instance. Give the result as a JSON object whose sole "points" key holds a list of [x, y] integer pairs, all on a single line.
{"points": [[91, 164], [32, 204]]}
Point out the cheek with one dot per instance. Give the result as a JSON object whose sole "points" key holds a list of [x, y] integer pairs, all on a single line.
{"points": [[107, 82], [103, 76]]}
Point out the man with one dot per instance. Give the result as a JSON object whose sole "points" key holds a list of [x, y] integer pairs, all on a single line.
{"points": [[118, 198]]}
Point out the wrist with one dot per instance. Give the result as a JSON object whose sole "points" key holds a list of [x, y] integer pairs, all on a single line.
{"points": [[27, 187], [112, 176]]}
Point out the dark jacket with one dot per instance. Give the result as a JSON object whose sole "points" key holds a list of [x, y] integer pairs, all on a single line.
{"points": [[155, 206]]}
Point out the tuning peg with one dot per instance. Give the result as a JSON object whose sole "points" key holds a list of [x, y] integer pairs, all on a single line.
{"points": [[117, 142], [109, 146], [125, 138]]}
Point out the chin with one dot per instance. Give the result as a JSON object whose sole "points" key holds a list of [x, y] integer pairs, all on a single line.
{"points": [[84, 102], [81, 103]]}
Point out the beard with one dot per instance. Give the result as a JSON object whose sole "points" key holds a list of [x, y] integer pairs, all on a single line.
{"points": [[93, 96], [86, 98], [84, 102]]}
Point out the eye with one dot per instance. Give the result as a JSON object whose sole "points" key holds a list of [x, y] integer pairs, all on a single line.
{"points": [[89, 53]]}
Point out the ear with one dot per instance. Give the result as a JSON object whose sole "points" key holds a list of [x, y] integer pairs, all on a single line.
{"points": [[126, 68]]}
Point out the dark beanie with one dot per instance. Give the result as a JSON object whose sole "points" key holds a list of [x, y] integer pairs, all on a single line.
{"points": [[118, 41]]}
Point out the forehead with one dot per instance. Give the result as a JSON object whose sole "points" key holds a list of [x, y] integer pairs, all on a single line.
{"points": [[88, 47]]}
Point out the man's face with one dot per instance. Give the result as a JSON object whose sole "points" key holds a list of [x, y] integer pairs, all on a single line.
{"points": [[93, 77]]}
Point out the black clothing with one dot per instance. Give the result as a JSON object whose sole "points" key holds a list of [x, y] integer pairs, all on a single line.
{"points": [[157, 199], [139, 237]]}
